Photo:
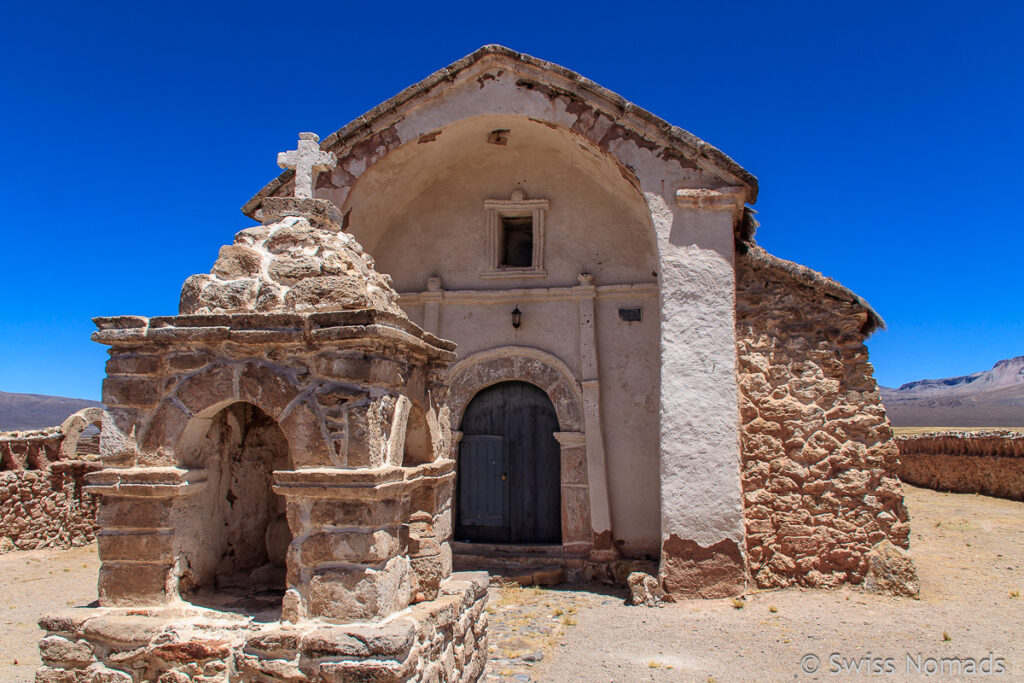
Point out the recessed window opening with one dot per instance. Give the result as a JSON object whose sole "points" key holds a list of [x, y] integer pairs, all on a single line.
{"points": [[517, 241], [515, 236]]}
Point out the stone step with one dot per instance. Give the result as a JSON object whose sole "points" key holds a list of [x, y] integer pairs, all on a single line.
{"points": [[546, 575], [500, 550], [527, 565]]}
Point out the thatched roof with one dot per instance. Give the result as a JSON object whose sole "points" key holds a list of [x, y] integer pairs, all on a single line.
{"points": [[812, 279], [623, 111]]}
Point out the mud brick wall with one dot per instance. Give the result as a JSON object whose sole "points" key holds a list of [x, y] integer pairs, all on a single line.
{"points": [[42, 501], [991, 463], [817, 453]]}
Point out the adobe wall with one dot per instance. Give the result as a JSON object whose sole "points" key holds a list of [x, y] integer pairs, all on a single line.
{"points": [[991, 463], [818, 458], [42, 500]]}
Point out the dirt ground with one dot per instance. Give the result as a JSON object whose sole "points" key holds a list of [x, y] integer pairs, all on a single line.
{"points": [[969, 551], [918, 431], [33, 583], [970, 556]]}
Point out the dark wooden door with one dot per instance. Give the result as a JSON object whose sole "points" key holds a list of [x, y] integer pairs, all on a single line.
{"points": [[509, 473]]}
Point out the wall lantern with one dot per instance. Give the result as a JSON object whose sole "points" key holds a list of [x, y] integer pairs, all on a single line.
{"points": [[517, 317]]}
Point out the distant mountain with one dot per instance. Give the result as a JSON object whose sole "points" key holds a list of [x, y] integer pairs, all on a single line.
{"points": [[35, 411], [993, 398]]}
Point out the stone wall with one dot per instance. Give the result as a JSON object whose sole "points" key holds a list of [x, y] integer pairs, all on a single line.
{"points": [[817, 452], [442, 641], [42, 500], [342, 387], [991, 463]]}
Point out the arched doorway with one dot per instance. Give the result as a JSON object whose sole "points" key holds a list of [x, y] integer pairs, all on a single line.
{"points": [[509, 472], [236, 559]]}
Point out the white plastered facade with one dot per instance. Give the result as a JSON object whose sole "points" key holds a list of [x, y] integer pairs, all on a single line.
{"points": [[633, 220]]}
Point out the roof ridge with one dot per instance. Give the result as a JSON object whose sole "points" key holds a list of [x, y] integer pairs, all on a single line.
{"points": [[676, 136]]}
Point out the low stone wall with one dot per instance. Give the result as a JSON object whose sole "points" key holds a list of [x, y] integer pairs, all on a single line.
{"points": [[990, 463], [42, 477], [817, 454], [442, 640]]}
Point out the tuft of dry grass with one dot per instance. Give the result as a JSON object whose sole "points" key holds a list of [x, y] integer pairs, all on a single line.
{"points": [[945, 637], [773, 609], [739, 603]]}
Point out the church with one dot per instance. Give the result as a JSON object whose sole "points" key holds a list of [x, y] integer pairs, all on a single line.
{"points": [[504, 317], [635, 377]]}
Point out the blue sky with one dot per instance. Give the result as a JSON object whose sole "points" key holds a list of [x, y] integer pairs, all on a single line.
{"points": [[887, 139]]}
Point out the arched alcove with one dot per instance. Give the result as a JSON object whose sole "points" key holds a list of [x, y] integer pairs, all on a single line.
{"points": [[234, 533]]}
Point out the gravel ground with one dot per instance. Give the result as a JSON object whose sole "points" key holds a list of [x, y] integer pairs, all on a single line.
{"points": [[970, 556], [32, 583]]}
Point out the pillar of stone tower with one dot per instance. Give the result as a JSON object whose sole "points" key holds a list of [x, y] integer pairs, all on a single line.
{"points": [[277, 481]]}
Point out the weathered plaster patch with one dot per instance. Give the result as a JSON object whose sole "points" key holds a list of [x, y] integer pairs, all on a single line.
{"points": [[691, 570], [429, 137]]}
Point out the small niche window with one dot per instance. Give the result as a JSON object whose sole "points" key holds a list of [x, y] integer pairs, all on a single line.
{"points": [[517, 241], [515, 235]]}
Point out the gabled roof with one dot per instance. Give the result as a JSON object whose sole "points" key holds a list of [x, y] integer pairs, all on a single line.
{"points": [[627, 114]]}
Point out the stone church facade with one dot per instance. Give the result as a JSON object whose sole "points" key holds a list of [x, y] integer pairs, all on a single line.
{"points": [[628, 360]]}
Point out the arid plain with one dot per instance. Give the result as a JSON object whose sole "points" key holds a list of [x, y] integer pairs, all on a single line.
{"points": [[969, 551]]}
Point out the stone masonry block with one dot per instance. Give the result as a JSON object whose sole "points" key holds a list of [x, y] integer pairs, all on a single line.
{"points": [[150, 546], [133, 513], [130, 391], [133, 365], [370, 547], [133, 584], [207, 388], [302, 425], [386, 641], [364, 594], [385, 511], [267, 387]]}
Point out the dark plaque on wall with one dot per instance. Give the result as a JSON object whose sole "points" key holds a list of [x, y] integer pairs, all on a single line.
{"points": [[630, 315]]}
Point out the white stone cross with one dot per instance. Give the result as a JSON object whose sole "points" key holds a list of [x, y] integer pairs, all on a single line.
{"points": [[308, 161]]}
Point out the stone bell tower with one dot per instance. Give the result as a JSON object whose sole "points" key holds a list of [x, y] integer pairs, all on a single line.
{"points": [[277, 482]]}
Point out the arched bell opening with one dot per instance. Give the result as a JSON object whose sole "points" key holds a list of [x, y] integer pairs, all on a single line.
{"points": [[234, 534]]}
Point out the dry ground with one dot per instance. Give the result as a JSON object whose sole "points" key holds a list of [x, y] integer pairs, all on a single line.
{"points": [[970, 555], [32, 583], [917, 431]]}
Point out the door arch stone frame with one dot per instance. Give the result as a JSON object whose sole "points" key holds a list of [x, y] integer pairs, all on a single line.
{"points": [[482, 369]]}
